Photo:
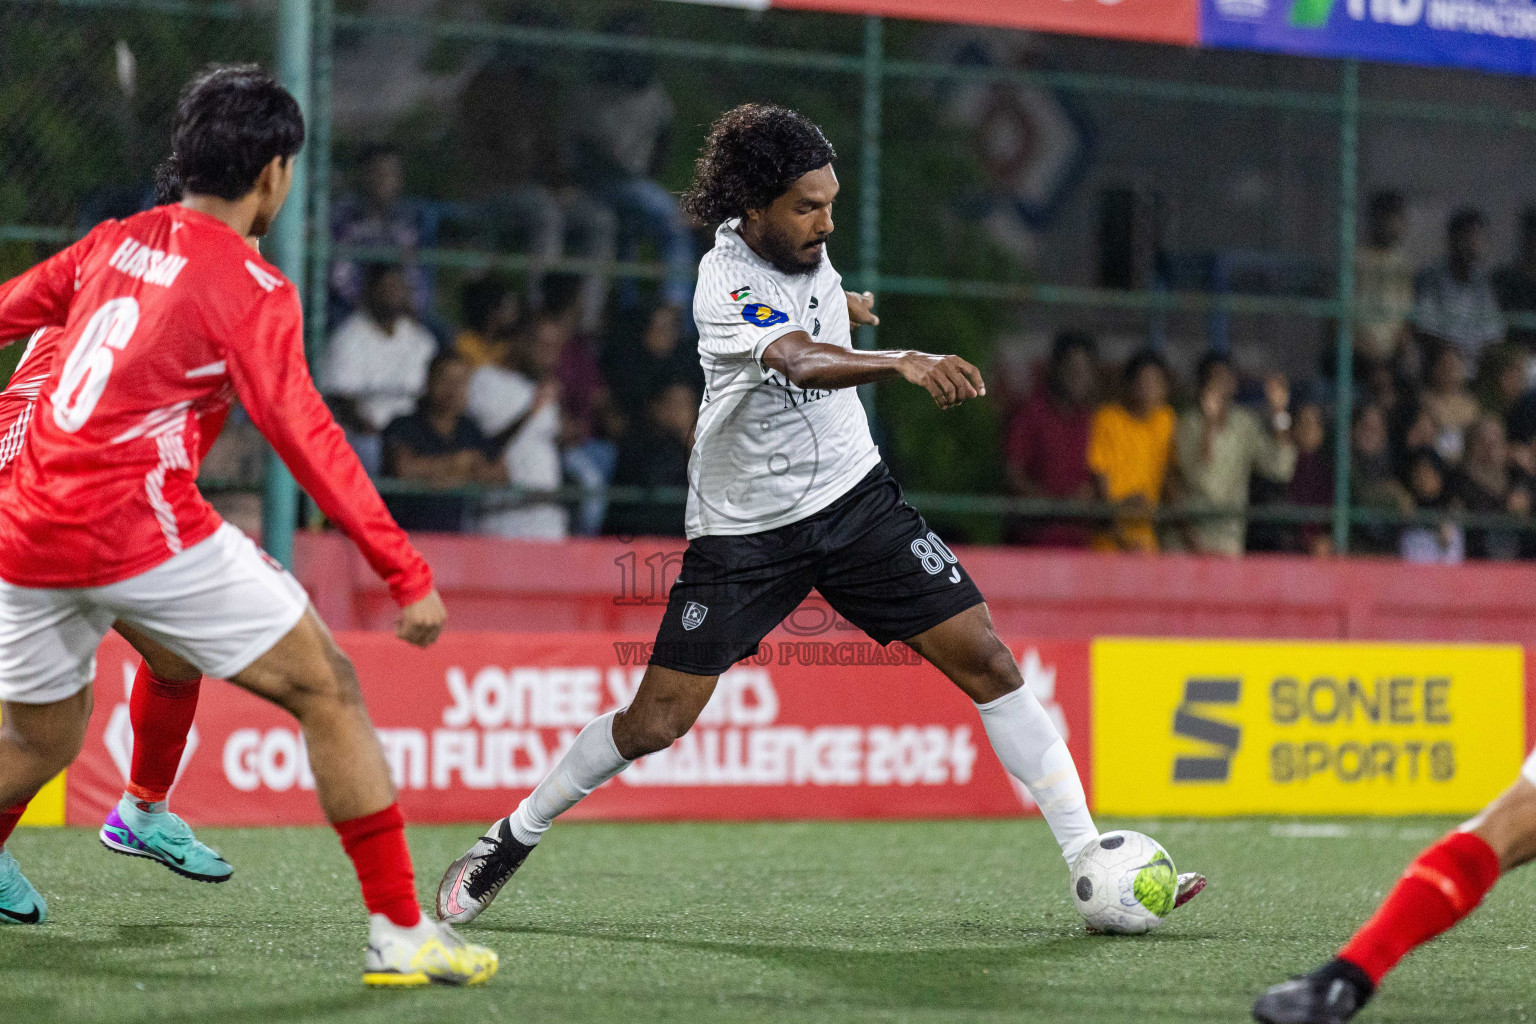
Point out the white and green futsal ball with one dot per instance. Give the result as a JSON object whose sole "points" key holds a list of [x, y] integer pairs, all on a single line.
{"points": [[1124, 883]]}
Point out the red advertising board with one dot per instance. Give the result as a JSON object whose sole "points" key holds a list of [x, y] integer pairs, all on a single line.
{"points": [[810, 728], [1153, 21], [1530, 698]]}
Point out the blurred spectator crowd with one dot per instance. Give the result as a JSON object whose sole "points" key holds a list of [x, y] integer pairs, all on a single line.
{"points": [[559, 381], [1443, 423], [521, 398], [556, 379], [468, 401]]}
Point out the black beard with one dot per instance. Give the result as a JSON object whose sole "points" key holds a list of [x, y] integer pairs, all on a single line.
{"points": [[786, 257]]}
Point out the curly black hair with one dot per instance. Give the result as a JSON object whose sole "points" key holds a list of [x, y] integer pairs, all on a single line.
{"points": [[752, 156], [167, 182]]}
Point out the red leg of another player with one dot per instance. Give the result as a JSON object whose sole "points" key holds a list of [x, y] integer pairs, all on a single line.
{"points": [[8, 819], [161, 712], [376, 844], [1444, 885]]}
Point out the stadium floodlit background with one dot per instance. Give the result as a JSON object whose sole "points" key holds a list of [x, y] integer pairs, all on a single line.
{"points": [[1001, 185]]}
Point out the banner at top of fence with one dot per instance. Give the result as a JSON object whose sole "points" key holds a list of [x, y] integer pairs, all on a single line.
{"points": [[1488, 35], [1159, 21], [1491, 35]]}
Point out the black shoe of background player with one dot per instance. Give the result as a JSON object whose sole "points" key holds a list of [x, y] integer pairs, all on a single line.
{"points": [[1332, 994]]}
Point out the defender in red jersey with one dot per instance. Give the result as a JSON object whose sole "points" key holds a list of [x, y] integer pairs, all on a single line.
{"points": [[102, 520], [117, 425], [161, 705], [163, 699]]}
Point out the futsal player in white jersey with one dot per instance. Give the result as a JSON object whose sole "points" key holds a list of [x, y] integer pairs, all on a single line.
{"points": [[788, 493]]}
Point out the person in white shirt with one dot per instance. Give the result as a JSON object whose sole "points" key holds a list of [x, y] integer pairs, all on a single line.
{"points": [[517, 405], [1454, 300], [788, 493], [376, 365]]}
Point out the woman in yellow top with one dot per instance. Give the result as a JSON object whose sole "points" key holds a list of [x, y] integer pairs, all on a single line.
{"points": [[1129, 444], [491, 310]]}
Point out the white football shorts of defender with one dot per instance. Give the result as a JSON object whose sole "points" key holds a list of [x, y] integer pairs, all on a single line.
{"points": [[219, 605]]}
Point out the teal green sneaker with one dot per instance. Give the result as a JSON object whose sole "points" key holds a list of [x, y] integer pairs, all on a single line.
{"points": [[19, 902], [162, 837]]}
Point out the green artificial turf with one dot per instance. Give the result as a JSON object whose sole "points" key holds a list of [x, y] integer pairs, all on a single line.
{"points": [[911, 922]]}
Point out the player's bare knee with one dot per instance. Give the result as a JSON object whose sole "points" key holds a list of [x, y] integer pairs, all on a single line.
{"points": [[1520, 847], [42, 758], [163, 664], [51, 755], [308, 694], [1003, 670], [637, 732], [172, 670], [992, 675], [48, 738], [649, 739], [288, 696], [1508, 825], [326, 685], [58, 757], [345, 687]]}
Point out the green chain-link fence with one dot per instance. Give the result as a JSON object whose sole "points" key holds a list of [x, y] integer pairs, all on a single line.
{"points": [[86, 88], [86, 97]]}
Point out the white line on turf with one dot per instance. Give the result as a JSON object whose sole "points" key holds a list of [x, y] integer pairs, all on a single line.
{"points": [[1300, 830]]}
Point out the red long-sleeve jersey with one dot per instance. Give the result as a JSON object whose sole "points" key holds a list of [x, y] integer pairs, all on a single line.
{"points": [[161, 315], [21, 393]]}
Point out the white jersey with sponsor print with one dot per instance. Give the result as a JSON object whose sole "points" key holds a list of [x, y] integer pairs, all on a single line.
{"points": [[767, 453]]}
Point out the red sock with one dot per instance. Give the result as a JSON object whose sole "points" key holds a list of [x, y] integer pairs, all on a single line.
{"points": [[376, 844], [161, 713], [1444, 885], [8, 819]]}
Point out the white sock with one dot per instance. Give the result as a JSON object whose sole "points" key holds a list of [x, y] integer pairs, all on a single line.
{"points": [[592, 760], [1034, 753], [380, 925], [159, 807], [136, 817]]}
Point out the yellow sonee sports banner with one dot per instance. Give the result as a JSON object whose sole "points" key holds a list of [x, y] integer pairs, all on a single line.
{"points": [[47, 808], [1236, 727]]}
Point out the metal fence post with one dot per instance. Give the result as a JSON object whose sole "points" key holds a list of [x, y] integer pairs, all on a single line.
{"points": [[295, 23], [320, 161], [869, 183], [1349, 144]]}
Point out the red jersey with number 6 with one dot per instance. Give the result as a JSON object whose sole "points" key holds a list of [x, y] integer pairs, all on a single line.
{"points": [[161, 315], [20, 397]]}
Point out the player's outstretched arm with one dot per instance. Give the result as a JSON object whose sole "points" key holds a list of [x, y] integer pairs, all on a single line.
{"points": [[274, 385], [812, 364]]}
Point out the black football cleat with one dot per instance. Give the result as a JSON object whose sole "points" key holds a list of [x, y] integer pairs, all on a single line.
{"points": [[1332, 994]]}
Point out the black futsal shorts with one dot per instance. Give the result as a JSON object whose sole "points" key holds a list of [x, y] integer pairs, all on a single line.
{"points": [[869, 553]]}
